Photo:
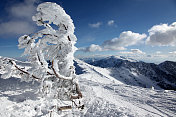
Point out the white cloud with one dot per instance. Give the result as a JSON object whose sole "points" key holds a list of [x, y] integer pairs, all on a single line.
{"points": [[137, 51], [110, 22], [96, 25], [133, 51], [126, 52], [172, 55], [91, 48], [125, 39], [162, 35], [20, 19], [158, 52], [16, 27], [23, 10], [174, 52], [160, 55]]}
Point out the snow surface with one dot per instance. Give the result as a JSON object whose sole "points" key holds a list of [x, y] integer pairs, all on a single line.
{"points": [[104, 96]]}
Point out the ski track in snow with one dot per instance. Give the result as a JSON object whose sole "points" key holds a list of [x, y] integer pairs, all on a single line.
{"points": [[104, 96]]}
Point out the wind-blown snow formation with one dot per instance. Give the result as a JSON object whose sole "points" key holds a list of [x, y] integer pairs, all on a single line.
{"points": [[50, 54]]}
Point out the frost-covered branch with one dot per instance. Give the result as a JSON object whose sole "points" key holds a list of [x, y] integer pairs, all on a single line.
{"points": [[54, 69], [22, 70], [51, 52], [78, 92]]}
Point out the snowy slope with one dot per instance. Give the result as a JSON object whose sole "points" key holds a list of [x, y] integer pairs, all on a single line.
{"points": [[104, 96], [117, 99]]}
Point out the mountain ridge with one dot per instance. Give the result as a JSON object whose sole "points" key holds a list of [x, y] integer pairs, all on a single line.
{"points": [[163, 74]]}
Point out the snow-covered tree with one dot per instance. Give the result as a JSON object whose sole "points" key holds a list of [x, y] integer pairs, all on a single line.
{"points": [[50, 52]]}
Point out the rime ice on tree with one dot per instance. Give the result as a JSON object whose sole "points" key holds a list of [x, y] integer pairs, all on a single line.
{"points": [[55, 46]]}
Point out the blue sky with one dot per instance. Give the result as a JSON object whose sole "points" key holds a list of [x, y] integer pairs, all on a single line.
{"points": [[103, 27]]}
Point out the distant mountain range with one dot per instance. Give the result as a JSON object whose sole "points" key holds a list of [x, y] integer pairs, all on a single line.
{"points": [[138, 73], [126, 70]]}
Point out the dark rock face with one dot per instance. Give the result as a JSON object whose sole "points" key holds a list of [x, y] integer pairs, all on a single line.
{"points": [[163, 74], [78, 69], [169, 67]]}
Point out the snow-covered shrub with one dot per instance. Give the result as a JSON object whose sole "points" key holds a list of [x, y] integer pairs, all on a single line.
{"points": [[50, 45]]}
